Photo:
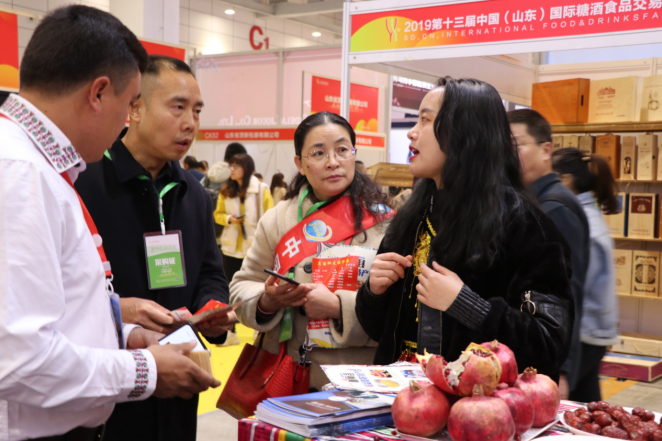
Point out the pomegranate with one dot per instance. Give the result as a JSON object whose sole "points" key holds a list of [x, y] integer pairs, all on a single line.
{"points": [[480, 418], [476, 365], [520, 407], [420, 410], [543, 393], [507, 359]]}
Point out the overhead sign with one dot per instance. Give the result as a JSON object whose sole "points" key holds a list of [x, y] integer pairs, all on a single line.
{"points": [[164, 49], [408, 93], [253, 135], [494, 21], [363, 102], [8, 51]]}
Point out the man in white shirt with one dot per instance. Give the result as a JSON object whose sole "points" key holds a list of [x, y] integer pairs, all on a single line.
{"points": [[60, 369]]}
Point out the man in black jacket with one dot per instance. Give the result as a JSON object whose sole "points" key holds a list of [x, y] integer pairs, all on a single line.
{"points": [[533, 136], [123, 193]]}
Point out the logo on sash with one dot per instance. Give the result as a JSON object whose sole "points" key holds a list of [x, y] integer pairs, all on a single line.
{"points": [[317, 231]]}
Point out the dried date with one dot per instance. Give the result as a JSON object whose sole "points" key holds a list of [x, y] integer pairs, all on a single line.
{"points": [[574, 422], [638, 435], [591, 428], [614, 432]]}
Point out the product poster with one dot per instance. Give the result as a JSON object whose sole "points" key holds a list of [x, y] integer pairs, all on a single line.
{"points": [[363, 102], [8, 51], [481, 22]]}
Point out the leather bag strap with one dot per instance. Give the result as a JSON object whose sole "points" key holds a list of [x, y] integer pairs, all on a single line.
{"points": [[258, 346], [281, 356]]}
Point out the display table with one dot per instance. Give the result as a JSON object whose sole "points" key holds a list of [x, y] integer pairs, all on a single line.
{"points": [[253, 430]]}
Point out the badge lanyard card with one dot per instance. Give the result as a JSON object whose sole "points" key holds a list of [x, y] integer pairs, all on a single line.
{"points": [[164, 251], [288, 316]]}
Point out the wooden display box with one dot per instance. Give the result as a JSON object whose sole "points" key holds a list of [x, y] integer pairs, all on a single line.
{"points": [[562, 102], [633, 367], [391, 175], [639, 344]]}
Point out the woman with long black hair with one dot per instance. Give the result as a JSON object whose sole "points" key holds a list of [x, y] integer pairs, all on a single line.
{"points": [[469, 257], [324, 235], [590, 179]]}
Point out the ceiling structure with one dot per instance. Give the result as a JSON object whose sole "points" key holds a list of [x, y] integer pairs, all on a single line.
{"points": [[326, 15]]}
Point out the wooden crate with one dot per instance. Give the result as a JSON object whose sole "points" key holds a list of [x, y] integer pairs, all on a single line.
{"points": [[562, 102], [391, 175]]}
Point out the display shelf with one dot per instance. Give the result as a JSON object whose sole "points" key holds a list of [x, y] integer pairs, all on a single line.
{"points": [[630, 296], [638, 182], [655, 126], [636, 239]]}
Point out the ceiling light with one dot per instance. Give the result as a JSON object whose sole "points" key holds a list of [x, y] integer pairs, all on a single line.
{"points": [[229, 11], [317, 34]]}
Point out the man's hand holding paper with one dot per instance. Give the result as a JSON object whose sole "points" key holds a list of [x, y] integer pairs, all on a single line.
{"points": [[178, 375], [148, 314]]}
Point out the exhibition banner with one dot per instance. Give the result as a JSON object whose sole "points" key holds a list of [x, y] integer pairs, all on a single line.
{"points": [[370, 140], [481, 22], [8, 51], [363, 102], [164, 49], [254, 135]]}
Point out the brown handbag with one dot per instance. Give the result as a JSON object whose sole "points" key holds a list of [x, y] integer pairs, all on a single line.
{"points": [[259, 375]]}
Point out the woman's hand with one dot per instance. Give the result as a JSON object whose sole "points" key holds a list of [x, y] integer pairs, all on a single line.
{"points": [[234, 220], [218, 325], [438, 288], [321, 303], [387, 269], [277, 296]]}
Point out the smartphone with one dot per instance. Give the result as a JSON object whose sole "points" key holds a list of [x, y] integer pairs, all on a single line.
{"points": [[184, 334], [287, 279]]}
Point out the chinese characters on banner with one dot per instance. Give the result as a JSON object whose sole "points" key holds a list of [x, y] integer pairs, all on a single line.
{"points": [[164, 49], [8, 51], [363, 102], [238, 134], [499, 20]]}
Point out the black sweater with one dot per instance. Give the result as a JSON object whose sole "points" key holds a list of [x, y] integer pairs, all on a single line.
{"points": [[534, 257]]}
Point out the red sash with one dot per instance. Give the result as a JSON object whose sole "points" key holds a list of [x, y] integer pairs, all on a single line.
{"points": [[330, 224]]}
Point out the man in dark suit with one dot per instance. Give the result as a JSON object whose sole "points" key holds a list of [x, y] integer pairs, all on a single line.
{"points": [[139, 193], [533, 137]]}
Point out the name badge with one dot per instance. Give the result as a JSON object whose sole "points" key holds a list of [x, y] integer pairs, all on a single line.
{"points": [[165, 260]]}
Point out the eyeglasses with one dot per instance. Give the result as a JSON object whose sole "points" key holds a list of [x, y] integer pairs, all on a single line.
{"points": [[235, 166], [341, 153]]}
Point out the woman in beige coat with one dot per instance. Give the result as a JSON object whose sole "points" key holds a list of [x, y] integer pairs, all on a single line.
{"points": [[321, 320]]}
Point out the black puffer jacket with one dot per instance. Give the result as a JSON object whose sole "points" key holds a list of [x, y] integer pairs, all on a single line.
{"points": [[535, 257]]}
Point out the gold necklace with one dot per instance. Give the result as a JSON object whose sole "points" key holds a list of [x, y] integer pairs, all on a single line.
{"points": [[423, 249]]}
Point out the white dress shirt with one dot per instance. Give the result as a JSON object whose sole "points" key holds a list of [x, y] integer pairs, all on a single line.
{"points": [[60, 365]]}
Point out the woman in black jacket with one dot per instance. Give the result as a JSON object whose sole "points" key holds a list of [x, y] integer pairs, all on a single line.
{"points": [[469, 257]]}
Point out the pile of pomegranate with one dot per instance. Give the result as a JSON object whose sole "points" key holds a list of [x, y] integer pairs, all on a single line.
{"points": [[479, 396], [602, 418]]}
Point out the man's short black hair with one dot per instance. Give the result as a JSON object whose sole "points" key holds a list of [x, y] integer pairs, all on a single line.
{"points": [[536, 124], [157, 63], [76, 44], [191, 162], [234, 148]]}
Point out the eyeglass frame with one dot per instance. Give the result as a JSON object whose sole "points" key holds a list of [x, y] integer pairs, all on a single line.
{"points": [[328, 156]]}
